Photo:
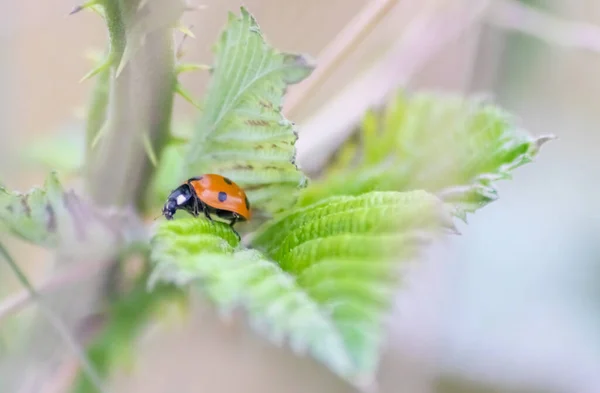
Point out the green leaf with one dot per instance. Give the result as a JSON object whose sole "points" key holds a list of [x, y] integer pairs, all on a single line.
{"points": [[51, 217], [242, 133], [321, 278], [445, 144], [32, 216]]}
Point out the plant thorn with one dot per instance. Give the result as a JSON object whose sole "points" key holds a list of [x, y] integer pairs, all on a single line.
{"points": [[81, 7], [103, 66], [179, 53], [149, 149], [98, 136], [543, 139], [185, 67], [186, 95], [128, 53], [76, 10], [186, 30]]}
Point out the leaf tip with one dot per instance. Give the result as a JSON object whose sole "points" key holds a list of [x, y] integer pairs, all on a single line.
{"points": [[244, 11], [246, 15], [300, 65], [542, 140]]}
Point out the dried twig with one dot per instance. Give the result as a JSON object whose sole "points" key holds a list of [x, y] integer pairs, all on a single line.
{"points": [[423, 38], [346, 41], [514, 15]]}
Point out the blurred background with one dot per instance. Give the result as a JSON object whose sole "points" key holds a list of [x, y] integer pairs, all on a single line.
{"points": [[512, 305]]}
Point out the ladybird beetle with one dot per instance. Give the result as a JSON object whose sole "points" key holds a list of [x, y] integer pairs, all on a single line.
{"points": [[209, 194]]}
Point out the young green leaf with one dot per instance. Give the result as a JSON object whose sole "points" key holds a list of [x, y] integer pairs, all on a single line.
{"points": [[446, 144], [50, 217], [242, 133], [321, 278], [32, 216]]}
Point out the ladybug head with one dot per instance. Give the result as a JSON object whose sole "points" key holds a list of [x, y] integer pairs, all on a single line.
{"points": [[169, 209], [179, 198]]}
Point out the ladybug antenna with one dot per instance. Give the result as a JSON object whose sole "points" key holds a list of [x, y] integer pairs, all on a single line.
{"points": [[157, 217]]}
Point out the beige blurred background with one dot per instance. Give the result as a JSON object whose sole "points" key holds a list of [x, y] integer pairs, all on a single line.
{"points": [[511, 305]]}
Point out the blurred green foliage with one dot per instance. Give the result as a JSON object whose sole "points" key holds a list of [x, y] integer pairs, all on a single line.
{"points": [[321, 272], [452, 146]]}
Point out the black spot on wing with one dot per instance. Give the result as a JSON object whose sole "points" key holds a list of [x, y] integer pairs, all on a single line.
{"points": [[227, 180], [222, 196]]}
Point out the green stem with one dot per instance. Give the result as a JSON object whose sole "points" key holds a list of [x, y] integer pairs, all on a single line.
{"points": [[139, 106], [116, 28], [96, 115]]}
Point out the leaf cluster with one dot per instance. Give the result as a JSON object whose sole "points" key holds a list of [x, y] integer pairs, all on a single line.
{"points": [[320, 265]]}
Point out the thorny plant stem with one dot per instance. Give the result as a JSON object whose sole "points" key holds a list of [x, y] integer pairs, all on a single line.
{"points": [[96, 115], [140, 104], [56, 322]]}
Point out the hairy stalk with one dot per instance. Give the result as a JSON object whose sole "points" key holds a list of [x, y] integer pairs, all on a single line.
{"points": [[140, 106], [131, 104], [96, 115], [142, 82]]}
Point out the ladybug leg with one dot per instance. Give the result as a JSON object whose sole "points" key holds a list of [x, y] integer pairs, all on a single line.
{"points": [[205, 210], [232, 223], [196, 208]]}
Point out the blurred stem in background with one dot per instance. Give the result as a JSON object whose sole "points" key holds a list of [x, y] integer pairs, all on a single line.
{"points": [[130, 114], [138, 115]]}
